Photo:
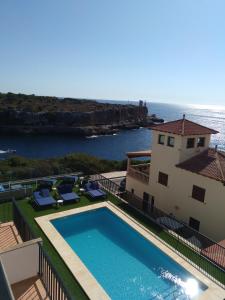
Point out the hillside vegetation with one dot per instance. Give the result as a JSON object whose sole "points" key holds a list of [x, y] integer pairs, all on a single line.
{"points": [[33, 103], [18, 167]]}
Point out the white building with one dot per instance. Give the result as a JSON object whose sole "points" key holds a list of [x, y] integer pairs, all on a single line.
{"points": [[185, 178]]}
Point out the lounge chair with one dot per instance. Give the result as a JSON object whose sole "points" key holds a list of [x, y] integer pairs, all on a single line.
{"points": [[92, 189], [170, 223], [66, 193], [43, 198]]}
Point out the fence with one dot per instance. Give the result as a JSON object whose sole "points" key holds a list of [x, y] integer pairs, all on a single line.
{"points": [[50, 278], [107, 184], [22, 226], [47, 272]]}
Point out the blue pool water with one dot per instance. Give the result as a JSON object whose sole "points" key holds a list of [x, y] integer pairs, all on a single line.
{"points": [[125, 264]]}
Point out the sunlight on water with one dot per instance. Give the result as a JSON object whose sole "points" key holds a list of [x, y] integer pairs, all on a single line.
{"points": [[214, 108], [190, 287]]}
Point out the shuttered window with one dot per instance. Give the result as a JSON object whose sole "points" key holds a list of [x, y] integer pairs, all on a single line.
{"points": [[201, 142], [161, 140], [170, 141], [190, 143], [198, 193], [163, 178]]}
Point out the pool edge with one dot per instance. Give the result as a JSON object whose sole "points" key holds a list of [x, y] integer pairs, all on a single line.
{"points": [[87, 281]]}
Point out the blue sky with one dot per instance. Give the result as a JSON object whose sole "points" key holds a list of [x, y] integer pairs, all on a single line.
{"points": [[161, 50]]}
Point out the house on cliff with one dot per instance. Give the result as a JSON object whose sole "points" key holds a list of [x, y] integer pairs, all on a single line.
{"points": [[185, 178]]}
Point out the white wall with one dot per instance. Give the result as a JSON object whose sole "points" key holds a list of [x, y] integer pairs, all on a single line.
{"points": [[21, 262]]}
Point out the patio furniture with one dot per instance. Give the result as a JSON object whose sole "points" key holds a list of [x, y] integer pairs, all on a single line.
{"points": [[66, 193], [92, 189], [82, 190], [59, 202], [170, 223], [43, 198]]}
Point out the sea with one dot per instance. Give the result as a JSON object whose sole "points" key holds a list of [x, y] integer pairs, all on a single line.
{"points": [[116, 146]]}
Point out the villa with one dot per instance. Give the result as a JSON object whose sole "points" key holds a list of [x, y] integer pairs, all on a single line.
{"points": [[185, 178]]}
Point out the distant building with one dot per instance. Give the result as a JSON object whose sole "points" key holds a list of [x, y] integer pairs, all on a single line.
{"points": [[185, 178]]}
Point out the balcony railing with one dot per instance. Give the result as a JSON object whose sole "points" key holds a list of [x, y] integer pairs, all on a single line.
{"points": [[139, 172], [6, 292]]}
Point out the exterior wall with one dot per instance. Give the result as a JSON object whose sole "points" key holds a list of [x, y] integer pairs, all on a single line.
{"points": [[186, 153], [138, 186], [22, 261], [177, 199]]}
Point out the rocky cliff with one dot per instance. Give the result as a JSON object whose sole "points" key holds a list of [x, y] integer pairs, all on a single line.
{"points": [[43, 115]]}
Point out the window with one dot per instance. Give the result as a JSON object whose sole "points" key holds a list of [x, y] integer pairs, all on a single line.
{"points": [[132, 191], [161, 140], [198, 193], [163, 178], [201, 142], [170, 141], [194, 223], [190, 143]]}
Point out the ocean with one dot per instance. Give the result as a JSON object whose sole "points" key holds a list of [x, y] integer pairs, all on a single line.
{"points": [[116, 146]]}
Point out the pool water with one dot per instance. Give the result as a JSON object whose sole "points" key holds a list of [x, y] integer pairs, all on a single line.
{"points": [[125, 264]]}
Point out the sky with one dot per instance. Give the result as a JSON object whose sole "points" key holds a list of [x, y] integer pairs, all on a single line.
{"points": [[162, 50]]}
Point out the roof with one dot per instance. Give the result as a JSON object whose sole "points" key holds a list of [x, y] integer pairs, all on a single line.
{"points": [[139, 153], [210, 163], [183, 127], [216, 253]]}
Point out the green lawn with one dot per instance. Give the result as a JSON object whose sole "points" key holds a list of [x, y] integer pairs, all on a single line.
{"points": [[30, 213]]}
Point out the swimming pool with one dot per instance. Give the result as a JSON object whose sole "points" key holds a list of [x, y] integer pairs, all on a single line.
{"points": [[124, 263]]}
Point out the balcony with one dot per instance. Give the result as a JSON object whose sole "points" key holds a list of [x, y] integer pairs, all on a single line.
{"points": [[140, 172]]}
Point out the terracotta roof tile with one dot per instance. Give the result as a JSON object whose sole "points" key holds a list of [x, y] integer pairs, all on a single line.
{"points": [[209, 163], [183, 127]]}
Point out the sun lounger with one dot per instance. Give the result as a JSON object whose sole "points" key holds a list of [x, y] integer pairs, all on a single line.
{"points": [[43, 198], [66, 193], [92, 189], [170, 223]]}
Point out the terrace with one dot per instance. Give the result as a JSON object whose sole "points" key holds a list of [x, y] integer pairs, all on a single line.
{"points": [[50, 278], [139, 171]]}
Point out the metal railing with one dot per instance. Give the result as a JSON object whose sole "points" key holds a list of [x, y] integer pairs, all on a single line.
{"points": [[5, 288], [53, 284], [22, 226], [107, 184], [50, 278]]}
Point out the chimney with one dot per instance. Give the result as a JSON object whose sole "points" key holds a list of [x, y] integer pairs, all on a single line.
{"points": [[216, 148], [183, 124]]}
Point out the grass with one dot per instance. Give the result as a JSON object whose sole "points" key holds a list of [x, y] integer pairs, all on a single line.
{"points": [[72, 285]]}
